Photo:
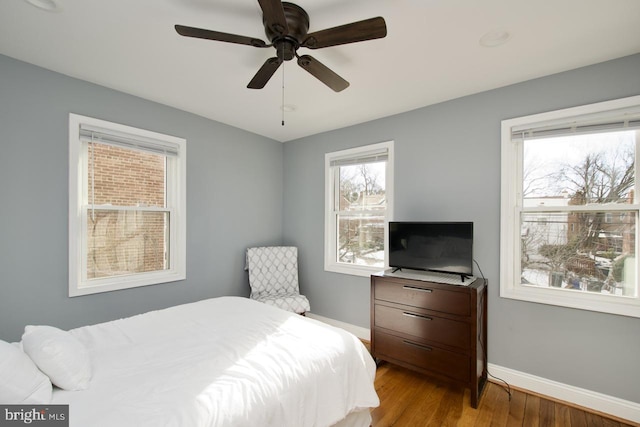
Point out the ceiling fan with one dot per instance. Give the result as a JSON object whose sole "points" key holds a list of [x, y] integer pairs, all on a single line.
{"points": [[286, 26]]}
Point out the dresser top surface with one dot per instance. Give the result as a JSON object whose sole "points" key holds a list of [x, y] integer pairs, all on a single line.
{"points": [[439, 279]]}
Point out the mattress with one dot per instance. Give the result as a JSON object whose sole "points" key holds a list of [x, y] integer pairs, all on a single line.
{"points": [[226, 361]]}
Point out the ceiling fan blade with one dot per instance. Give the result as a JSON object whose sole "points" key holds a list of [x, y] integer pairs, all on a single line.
{"points": [[323, 73], [369, 29], [200, 33], [273, 16], [264, 73]]}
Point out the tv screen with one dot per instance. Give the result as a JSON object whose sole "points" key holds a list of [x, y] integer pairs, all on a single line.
{"points": [[445, 247]]}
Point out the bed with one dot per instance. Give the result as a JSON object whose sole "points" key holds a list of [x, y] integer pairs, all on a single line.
{"points": [[226, 361]]}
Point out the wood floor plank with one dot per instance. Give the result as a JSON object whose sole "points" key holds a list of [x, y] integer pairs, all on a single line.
{"points": [[410, 399], [429, 414], [594, 420], [547, 413], [396, 393], [578, 418], [563, 416], [499, 405], [487, 406], [607, 422], [420, 409], [469, 415], [610, 423], [393, 391], [516, 408], [449, 408], [532, 411]]}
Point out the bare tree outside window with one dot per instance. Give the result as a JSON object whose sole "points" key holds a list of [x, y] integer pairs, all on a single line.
{"points": [[362, 203], [575, 231]]}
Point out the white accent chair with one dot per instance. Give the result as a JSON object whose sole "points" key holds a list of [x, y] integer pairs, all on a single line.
{"points": [[273, 277]]}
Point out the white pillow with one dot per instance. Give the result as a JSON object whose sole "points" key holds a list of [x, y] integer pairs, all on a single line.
{"points": [[58, 354], [20, 379]]}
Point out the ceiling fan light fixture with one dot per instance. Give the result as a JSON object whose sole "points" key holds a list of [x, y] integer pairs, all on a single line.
{"points": [[46, 5], [495, 38]]}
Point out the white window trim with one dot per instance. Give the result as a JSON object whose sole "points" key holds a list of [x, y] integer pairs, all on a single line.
{"points": [[176, 205], [330, 234], [511, 160]]}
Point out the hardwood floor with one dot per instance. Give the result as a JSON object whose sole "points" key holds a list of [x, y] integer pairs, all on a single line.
{"points": [[410, 399]]}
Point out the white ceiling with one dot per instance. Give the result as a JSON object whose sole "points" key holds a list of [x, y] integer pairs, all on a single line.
{"points": [[431, 54]]}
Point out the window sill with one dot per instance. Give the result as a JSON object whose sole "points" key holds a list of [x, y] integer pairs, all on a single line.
{"points": [[353, 270], [124, 282], [619, 305]]}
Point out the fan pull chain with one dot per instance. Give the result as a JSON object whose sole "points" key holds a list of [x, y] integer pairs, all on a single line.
{"points": [[283, 64], [282, 106]]}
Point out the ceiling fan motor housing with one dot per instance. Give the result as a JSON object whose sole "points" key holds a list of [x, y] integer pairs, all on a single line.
{"points": [[298, 26]]}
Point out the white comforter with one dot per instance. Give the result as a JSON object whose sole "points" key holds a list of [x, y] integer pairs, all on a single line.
{"points": [[226, 361]]}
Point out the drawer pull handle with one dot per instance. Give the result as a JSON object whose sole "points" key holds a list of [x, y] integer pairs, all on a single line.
{"points": [[422, 347], [415, 288], [416, 316]]}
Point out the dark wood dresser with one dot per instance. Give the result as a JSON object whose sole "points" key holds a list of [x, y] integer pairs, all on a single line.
{"points": [[434, 328]]}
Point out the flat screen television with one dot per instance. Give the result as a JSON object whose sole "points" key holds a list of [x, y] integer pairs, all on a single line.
{"points": [[444, 247]]}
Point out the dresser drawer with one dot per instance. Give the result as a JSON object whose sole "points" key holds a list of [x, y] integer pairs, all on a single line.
{"points": [[423, 327], [443, 362], [420, 294]]}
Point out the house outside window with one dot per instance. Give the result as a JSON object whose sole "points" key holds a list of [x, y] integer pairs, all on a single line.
{"points": [[126, 208], [569, 207], [358, 207]]}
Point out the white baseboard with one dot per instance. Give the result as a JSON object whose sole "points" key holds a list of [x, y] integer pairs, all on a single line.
{"points": [[614, 406], [358, 331]]}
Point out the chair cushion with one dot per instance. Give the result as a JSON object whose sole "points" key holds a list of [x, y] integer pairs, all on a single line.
{"points": [[273, 270], [290, 302]]}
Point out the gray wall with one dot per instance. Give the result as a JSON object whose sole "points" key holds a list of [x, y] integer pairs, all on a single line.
{"points": [[447, 167], [233, 177]]}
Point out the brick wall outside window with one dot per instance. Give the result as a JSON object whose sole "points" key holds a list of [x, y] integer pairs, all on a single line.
{"points": [[125, 241]]}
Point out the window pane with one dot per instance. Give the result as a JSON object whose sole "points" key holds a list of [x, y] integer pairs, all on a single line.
{"points": [[124, 242], [124, 177], [580, 251], [362, 187], [579, 169], [361, 240]]}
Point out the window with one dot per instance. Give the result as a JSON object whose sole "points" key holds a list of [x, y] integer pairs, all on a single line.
{"points": [[127, 207], [569, 207], [358, 191]]}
